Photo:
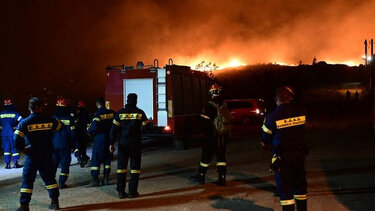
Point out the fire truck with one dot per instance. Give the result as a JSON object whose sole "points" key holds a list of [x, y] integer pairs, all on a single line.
{"points": [[171, 96]]}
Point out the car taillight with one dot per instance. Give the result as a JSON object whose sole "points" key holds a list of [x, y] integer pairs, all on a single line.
{"points": [[167, 128]]}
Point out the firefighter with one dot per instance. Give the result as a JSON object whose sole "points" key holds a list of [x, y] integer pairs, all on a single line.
{"points": [[64, 141], [283, 129], [9, 120], [83, 121], [127, 128], [34, 138], [100, 129], [216, 143]]}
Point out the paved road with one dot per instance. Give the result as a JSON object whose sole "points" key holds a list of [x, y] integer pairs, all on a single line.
{"points": [[341, 172]]}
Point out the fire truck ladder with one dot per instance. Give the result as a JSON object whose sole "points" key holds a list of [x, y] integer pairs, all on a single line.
{"points": [[161, 94]]}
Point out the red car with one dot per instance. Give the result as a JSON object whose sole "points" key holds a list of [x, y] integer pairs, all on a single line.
{"points": [[247, 111]]}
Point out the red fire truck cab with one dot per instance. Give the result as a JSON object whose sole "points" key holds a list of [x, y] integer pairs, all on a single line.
{"points": [[172, 97]]}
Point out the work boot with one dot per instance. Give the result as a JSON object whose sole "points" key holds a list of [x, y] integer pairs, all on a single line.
{"points": [[24, 207], [54, 204], [93, 183], [133, 195], [288, 207], [7, 166], [198, 178], [105, 180], [122, 195], [17, 166], [221, 181], [301, 205]]}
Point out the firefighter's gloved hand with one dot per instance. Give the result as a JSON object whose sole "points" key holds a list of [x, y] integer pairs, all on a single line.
{"points": [[275, 165]]}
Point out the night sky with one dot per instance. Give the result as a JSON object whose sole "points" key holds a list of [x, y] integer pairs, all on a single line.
{"points": [[64, 45]]}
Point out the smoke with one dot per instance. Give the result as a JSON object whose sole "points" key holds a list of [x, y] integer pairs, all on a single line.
{"points": [[65, 45]]}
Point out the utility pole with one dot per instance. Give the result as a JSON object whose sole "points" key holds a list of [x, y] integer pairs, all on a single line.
{"points": [[372, 93], [365, 54]]}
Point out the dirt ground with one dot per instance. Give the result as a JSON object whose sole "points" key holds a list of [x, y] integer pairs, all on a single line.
{"points": [[341, 172]]}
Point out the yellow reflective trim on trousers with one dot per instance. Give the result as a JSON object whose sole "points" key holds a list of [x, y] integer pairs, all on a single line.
{"points": [[121, 171], [16, 154], [266, 130], [204, 164], [64, 174], [7, 153], [287, 202], [94, 168], [300, 197], [49, 187], [107, 166], [19, 133], [72, 127], [26, 190], [76, 150], [221, 164], [135, 171], [116, 123]]}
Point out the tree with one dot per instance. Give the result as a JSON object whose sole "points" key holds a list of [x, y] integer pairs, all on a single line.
{"points": [[207, 67]]}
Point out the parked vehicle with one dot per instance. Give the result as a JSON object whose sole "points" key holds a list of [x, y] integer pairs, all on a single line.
{"points": [[171, 96], [247, 111]]}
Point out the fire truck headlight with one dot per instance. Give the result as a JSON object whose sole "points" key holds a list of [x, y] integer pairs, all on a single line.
{"points": [[257, 111]]}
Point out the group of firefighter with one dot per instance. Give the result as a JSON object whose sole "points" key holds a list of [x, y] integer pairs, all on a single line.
{"points": [[48, 142]]}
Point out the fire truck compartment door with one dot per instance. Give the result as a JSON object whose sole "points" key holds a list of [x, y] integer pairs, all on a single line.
{"points": [[143, 87]]}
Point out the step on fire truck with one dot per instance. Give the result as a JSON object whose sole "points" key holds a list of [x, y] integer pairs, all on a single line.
{"points": [[171, 96]]}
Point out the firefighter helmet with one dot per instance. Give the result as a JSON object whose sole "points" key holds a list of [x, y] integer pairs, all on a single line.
{"points": [[62, 102], [81, 104], [285, 93], [215, 89], [8, 102]]}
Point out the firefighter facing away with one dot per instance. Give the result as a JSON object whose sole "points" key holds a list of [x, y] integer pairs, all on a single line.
{"points": [[64, 141], [83, 120], [127, 128], [217, 121], [34, 138], [100, 129], [283, 129], [9, 120]]}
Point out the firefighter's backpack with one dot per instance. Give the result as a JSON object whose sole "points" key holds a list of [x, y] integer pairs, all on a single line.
{"points": [[224, 120]]}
